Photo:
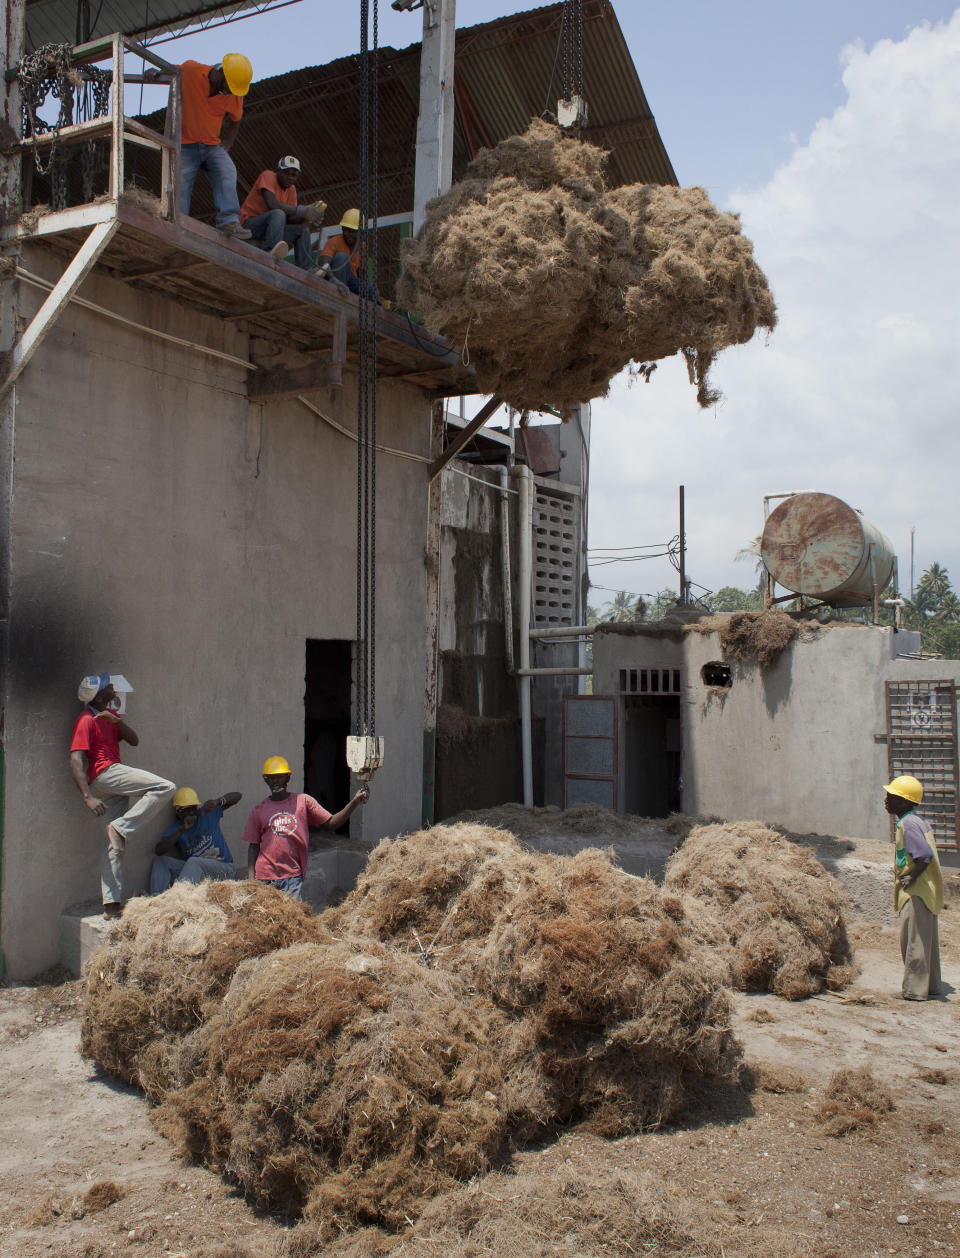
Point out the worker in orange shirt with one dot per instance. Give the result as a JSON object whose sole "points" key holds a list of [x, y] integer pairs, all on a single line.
{"points": [[274, 218], [210, 94], [340, 256]]}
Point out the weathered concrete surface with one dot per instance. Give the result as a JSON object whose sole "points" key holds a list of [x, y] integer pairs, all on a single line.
{"points": [[794, 744], [165, 528]]}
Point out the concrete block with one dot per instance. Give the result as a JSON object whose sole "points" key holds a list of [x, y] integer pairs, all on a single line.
{"points": [[350, 865], [83, 929]]}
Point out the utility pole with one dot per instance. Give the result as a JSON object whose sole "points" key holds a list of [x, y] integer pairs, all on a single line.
{"points": [[434, 165], [912, 532], [683, 553]]}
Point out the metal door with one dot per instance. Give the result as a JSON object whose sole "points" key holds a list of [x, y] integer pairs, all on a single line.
{"points": [[590, 750], [922, 741]]}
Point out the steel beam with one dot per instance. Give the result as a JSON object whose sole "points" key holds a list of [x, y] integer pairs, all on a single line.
{"points": [[434, 163], [461, 439], [62, 291]]}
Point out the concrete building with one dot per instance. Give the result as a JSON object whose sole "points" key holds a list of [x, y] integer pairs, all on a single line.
{"points": [[805, 743], [178, 499]]}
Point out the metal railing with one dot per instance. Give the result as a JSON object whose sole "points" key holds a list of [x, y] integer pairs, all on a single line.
{"points": [[117, 126]]}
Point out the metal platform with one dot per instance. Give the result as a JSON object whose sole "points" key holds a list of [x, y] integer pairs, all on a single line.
{"points": [[189, 262]]}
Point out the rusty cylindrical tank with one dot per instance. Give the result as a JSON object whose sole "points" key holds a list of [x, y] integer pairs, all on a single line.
{"points": [[816, 545]]}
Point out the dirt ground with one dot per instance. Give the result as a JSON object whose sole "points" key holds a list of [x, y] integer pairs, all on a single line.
{"points": [[753, 1170]]}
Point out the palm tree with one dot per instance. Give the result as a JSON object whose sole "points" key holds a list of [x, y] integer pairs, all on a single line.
{"points": [[624, 607]]}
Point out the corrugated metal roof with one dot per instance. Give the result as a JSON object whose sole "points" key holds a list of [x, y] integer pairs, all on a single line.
{"points": [[504, 70], [55, 21]]}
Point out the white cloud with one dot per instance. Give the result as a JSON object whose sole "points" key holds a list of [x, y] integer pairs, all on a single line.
{"points": [[857, 391]]}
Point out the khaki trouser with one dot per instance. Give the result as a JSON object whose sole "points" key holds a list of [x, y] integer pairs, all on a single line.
{"points": [[920, 950], [132, 797]]}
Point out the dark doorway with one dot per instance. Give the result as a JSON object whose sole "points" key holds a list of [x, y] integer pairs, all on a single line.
{"points": [[326, 711], [653, 755]]}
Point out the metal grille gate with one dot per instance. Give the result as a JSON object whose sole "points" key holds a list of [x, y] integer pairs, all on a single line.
{"points": [[922, 741], [590, 750]]}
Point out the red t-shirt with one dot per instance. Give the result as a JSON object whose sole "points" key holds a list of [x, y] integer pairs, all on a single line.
{"points": [[201, 116], [99, 738], [255, 204], [282, 829]]}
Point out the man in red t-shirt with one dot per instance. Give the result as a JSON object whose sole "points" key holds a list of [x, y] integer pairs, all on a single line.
{"points": [[107, 785], [271, 213], [278, 830]]}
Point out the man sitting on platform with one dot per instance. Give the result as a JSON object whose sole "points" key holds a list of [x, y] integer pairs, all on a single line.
{"points": [[272, 216]]}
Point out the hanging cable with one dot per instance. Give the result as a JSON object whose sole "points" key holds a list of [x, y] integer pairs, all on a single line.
{"points": [[364, 724]]}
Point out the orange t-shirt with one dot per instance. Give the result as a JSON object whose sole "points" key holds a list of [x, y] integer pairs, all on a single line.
{"points": [[202, 114], [255, 204], [337, 244]]}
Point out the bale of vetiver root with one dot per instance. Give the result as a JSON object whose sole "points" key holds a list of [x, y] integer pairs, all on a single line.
{"points": [[351, 1083], [622, 1002], [168, 963], [782, 913], [552, 283]]}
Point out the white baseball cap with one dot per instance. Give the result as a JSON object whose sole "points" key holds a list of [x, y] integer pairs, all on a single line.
{"points": [[288, 163], [91, 686]]}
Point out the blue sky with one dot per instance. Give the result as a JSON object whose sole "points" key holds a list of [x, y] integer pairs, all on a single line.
{"points": [[833, 129]]}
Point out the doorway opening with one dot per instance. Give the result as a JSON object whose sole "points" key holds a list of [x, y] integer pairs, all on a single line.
{"points": [[653, 755], [326, 712]]}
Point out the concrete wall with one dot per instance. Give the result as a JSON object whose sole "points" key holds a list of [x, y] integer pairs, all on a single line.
{"points": [[165, 528], [478, 722], [794, 744]]}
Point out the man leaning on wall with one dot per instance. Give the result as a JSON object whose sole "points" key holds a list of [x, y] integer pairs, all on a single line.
{"points": [[128, 797]]}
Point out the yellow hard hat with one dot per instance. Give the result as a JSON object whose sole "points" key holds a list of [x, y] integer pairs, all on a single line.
{"points": [[186, 797], [238, 72], [275, 764], [351, 219], [907, 788]]}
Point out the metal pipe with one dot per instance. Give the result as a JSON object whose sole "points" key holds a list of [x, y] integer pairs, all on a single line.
{"points": [[683, 554], [505, 572], [569, 671], [526, 593], [563, 631]]}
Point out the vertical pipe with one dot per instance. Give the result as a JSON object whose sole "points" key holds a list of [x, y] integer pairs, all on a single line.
{"points": [[11, 48], [525, 582], [432, 671], [505, 568], [683, 553], [116, 155]]}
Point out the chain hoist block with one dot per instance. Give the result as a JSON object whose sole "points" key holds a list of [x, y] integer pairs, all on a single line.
{"points": [[572, 112], [364, 755]]}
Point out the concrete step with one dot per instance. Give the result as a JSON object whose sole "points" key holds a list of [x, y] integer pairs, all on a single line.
{"points": [[83, 929]]}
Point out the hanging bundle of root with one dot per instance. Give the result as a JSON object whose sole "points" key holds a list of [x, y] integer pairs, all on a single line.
{"points": [[774, 911], [552, 283], [168, 964], [623, 1006]]}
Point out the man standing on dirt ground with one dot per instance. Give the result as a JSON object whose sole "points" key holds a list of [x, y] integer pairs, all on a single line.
{"points": [[202, 851], [917, 890], [278, 829], [107, 785]]}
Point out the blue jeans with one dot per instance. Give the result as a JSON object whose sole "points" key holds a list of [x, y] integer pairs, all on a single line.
{"points": [[215, 160], [273, 227], [166, 870], [292, 886]]}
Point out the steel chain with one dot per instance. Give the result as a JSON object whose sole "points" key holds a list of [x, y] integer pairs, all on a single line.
{"points": [[42, 73]]}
